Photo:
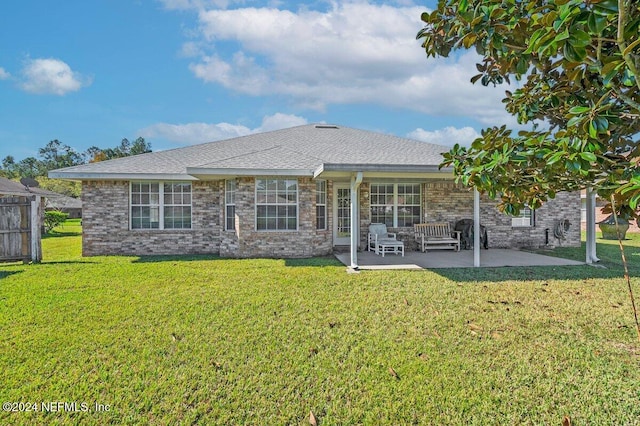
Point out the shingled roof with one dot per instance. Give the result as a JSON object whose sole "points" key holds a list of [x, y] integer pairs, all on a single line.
{"points": [[307, 150], [9, 187]]}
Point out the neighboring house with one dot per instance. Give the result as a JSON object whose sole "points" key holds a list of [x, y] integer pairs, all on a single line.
{"points": [[52, 200], [10, 188], [288, 193], [599, 216], [64, 203]]}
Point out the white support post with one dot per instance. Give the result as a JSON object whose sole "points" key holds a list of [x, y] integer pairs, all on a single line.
{"points": [[355, 184], [591, 255], [476, 228]]}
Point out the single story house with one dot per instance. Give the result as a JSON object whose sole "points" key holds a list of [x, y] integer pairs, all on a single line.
{"points": [[10, 188], [297, 192], [65, 204]]}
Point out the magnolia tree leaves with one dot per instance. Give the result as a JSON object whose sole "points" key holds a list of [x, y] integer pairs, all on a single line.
{"points": [[576, 64]]}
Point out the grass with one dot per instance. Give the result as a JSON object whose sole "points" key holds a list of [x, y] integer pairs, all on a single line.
{"points": [[185, 340]]}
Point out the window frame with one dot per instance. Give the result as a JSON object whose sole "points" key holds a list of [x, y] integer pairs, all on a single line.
{"points": [[524, 220], [160, 205], [395, 205], [272, 190], [321, 204], [230, 202]]}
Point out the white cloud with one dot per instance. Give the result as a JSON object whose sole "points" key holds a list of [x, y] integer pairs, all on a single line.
{"points": [[4, 75], [51, 76], [280, 121], [190, 50], [354, 53], [193, 133], [448, 136]]}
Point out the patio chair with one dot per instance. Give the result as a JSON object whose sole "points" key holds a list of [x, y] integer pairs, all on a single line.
{"points": [[381, 241]]}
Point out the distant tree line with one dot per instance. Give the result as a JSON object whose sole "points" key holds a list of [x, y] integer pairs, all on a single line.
{"points": [[57, 155]]}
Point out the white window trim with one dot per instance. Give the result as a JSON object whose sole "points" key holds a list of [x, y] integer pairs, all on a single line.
{"points": [[523, 221], [256, 204], [228, 204], [161, 206], [324, 205], [395, 199]]}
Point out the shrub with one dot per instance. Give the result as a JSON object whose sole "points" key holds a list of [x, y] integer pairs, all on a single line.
{"points": [[53, 218]]}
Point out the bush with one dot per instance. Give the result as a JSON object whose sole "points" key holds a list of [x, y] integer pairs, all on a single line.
{"points": [[53, 218]]}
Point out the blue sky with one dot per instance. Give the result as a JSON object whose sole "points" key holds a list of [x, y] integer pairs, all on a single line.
{"points": [[180, 72]]}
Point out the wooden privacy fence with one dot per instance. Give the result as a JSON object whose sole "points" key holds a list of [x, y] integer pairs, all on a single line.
{"points": [[20, 229]]}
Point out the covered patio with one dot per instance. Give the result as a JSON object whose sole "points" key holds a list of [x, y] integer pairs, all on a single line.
{"points": [[475, 257], [450, 259]]}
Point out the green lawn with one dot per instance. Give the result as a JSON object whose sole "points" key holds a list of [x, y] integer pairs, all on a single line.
{"points": [[185, 340]]}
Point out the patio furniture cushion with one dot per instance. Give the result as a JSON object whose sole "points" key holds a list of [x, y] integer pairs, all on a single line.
{"points": [[378, 235]]}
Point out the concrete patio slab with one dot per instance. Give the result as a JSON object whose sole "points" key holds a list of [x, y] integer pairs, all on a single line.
{"points": [[450, 259]]}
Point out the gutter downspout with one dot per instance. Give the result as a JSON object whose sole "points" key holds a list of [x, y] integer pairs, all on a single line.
{"points": [[355, 184], [476, 228], [591, 228]]}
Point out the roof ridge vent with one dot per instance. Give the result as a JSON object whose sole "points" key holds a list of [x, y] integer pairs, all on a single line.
{"points": [[326, 126]]}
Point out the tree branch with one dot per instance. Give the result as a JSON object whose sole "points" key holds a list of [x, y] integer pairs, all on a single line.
{"points": [[626, 99], [628, 59]]}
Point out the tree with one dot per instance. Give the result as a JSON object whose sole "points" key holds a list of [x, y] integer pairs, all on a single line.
{"points": [[125, 149], [29, 167], [576, 63], [139, 146], [8, 165], [56, 155], [65, 187]]}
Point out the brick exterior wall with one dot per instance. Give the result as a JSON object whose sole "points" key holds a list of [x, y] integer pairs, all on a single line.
{"points": [[106, 222], [447, 201], [306, 241]]}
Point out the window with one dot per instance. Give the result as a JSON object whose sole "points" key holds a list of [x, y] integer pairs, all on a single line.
{"points": [[382, 204], [321, 204], [395, 205], [145, 205], [157, 205], [526, 218], [177, 205], [276, 204], [408, 204], [230, 203]]}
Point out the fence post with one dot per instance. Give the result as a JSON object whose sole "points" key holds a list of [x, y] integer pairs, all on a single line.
{"points": [[36, 236]]}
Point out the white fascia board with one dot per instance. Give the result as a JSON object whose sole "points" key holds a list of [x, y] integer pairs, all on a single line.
{"points": [[382, 171], [203, 172], [121, 176], [386, 177]]}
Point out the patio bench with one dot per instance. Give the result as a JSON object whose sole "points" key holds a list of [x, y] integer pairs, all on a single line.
{"points": [[436, 235]]}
